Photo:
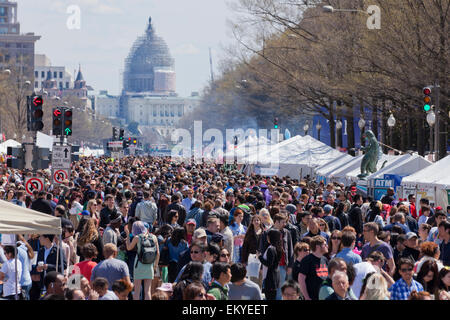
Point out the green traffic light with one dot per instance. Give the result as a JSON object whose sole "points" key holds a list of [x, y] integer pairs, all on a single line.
{"points": [[276, 127], [427, 107]]}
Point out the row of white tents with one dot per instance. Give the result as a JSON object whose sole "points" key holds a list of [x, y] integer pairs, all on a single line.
{"points": [[46, 141], [301, 156]]}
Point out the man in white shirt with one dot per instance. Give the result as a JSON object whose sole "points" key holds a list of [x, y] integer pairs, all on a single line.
{"points": [[8, 274], [189, 201]]}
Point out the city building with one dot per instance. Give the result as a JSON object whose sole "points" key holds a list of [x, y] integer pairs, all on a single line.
{"points": [[16, 50], [149, 88], [57, 81]]}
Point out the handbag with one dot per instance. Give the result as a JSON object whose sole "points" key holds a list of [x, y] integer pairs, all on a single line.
{"points": [[164, 257], [253, 266]]}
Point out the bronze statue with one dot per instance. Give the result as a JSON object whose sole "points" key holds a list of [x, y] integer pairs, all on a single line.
{"points": [[373, 154]]}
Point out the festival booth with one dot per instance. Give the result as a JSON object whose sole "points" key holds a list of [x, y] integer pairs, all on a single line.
{"points": [[362, 185], [322, 172], [338, 174], [15, 219], [391, 175], [432, 183], [296, 157], [8, 143]]}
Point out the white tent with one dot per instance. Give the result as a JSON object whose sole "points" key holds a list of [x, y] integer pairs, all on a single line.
{"points": [[322, 172], [8, 143], [349, 171], [402, 167], [44, 141], [18, 220], [433, 182], [15, 219], [295, 157], [251, 145], [352, 175]]}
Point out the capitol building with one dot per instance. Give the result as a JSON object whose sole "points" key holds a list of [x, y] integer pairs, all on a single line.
{"points": [[149, 88]]}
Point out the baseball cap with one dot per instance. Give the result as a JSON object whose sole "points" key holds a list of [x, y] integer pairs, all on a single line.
{"points": [[85, 213], [353, 189], [327, 208], [411, 235], [199, 233], [291, 208], [191, 221]]}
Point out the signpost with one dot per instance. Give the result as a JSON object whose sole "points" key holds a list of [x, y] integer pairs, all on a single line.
{"points": [[61, 160]]}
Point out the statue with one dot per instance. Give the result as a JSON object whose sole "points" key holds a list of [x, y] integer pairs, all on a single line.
{"points": [[149, 24], [373, 154]]}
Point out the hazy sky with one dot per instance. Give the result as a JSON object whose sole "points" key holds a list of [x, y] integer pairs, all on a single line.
{"points": [[109, 28]]}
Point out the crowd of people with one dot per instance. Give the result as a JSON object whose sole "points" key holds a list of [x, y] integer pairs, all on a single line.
{"points": [[143, 228]]}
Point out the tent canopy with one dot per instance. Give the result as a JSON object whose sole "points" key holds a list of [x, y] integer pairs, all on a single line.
{"points": [[333, 165], [19, 220], [8, 143], [403, 167], [435, 175]]}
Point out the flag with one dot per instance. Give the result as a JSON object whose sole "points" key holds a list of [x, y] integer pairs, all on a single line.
{"points": [[287, 134]]}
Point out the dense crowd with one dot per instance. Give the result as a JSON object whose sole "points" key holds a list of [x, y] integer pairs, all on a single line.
{"points": [[151, 228]]}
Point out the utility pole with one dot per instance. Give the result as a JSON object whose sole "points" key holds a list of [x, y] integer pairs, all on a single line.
{"points": [[437, 126]]}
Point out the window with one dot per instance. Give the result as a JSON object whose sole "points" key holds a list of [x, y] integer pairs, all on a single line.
{"points": [[60, 85], [43, 74], [67, 85], [3, 30], [55, 74], [36, 74], [60, 75], [36, 84]]}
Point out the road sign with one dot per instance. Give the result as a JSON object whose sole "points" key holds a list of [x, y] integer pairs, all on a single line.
{"points": [[34, 183], [61, 157], [115, 144], [59, 175]]}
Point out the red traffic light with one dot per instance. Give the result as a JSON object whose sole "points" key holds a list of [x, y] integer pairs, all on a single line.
{"points": [[57, 112], [37, 101], [426, 91], [68, 113]]}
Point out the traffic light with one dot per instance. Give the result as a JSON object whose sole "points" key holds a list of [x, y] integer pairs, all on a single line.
{"points": [[121, 133], [67, 122], [235, 139], [17, 159], [126, 143], [37, 123], [115, 133], [135, 141], [275, 123], [427, 99], [57, 122]]}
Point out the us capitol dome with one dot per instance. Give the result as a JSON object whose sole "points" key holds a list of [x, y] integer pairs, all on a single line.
{"points": [[149, 67]]}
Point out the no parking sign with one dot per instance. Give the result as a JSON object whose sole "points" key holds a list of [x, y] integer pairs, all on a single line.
{"points": [[34, 183]]}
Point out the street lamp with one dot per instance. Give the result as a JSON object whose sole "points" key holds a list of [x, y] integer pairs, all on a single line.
{"points": [[361, 123], [306, 128], [318, 127], [7, 72], [331, 10], [338, 135], [339, 124], [391, 123], [431, 119]]}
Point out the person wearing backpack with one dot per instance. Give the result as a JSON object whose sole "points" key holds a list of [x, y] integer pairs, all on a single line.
{"points": [[146, 260]]}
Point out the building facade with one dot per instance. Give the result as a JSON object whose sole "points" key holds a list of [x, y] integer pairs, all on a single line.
{"points": [[149, 88], [16, 50]]}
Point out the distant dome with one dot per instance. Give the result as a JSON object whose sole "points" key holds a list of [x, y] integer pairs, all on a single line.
{"points": [[149, 52]]}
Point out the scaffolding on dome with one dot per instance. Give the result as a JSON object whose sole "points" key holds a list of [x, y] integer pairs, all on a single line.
{"points": [[148, 53]]}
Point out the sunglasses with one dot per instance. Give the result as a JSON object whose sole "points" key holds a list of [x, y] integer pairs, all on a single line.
{"points": [[195, 252], [406, 270], [224, 255], [322, 225]]}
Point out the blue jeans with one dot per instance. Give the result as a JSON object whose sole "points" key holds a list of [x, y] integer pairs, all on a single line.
{"points": [[26, 291], [282, 280]]}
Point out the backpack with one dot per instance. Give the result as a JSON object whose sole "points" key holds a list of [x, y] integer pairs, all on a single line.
{"points": [[147, 252]]}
